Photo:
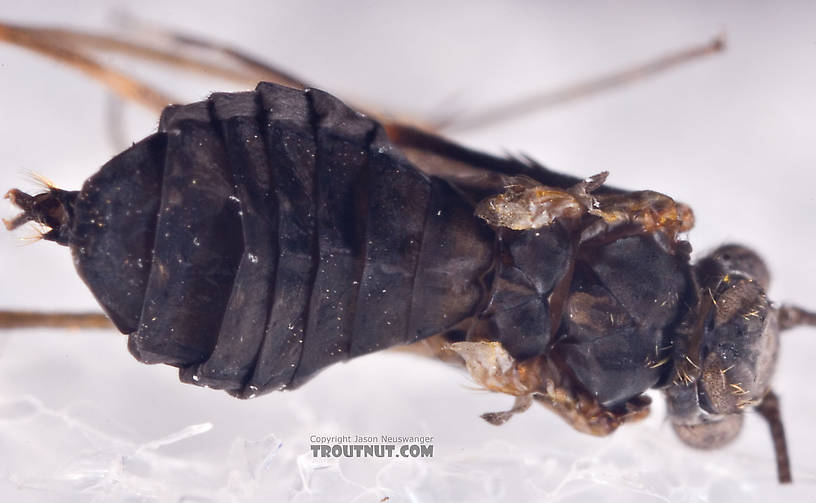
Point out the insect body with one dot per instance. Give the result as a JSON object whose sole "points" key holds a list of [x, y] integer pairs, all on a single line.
{"points": [[260, 237]]}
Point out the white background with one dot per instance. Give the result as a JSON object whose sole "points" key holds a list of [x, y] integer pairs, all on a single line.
{"points": [[733, 136]]}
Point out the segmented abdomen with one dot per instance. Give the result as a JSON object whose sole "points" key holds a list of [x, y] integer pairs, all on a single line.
{"points": [[261, 236]]}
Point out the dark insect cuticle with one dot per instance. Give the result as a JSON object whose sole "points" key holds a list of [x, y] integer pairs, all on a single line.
{"points": [[258, 237]]}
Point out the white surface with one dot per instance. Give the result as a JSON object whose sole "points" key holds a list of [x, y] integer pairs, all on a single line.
{"points": [[733, 136]]}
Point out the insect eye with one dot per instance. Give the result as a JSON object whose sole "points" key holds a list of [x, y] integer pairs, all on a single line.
{"points": [[710, 433], [694, 425], [734, 259], [739, 349]]}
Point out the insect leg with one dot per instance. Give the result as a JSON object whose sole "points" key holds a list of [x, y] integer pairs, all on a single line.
{"points": [[515, 109], [82, 41], [33, 319], [521, 404], [267, 72], [435, 346], [255, 70], [580, 409], [46, 43], [462, 166], [792, 316], [73, 47], [769, 409], [259, 71], [546, 381]]}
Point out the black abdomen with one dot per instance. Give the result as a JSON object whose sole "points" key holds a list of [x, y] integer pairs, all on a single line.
{"points": [[261, 236]]}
